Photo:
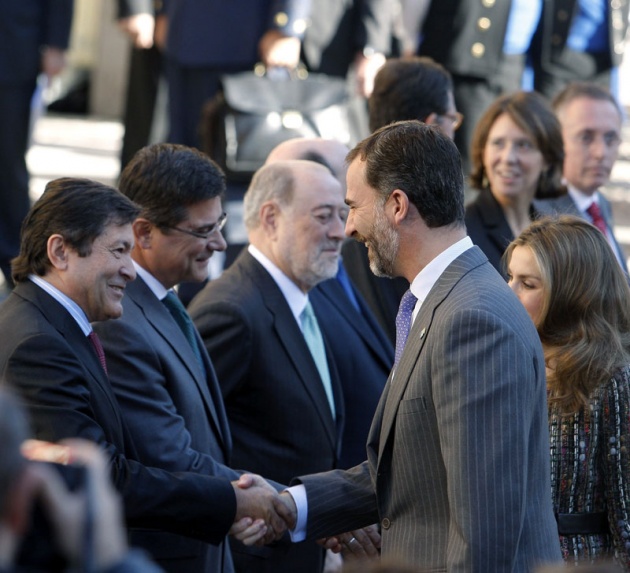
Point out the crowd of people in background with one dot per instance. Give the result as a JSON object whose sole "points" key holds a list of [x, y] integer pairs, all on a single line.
{"points": [[420, 351]]}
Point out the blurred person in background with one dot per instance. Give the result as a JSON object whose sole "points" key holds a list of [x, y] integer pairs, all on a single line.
{"points": [[591, 131], [34, 35], [517, 156]]}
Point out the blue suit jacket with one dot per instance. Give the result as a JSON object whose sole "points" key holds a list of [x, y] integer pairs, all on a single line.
{"points": [[174, 412], [225, 34], [363, 356]]}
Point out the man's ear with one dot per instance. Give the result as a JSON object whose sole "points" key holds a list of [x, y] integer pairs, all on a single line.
{"points": [[431, 119], [143, 232], [398, 206], [269, 214], [57, 250]]}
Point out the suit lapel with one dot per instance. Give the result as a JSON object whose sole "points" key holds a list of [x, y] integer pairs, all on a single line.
{"points": [[292, 340], [166, 327], [607, 214], [70, 331], [420, 332], [366, 329]]}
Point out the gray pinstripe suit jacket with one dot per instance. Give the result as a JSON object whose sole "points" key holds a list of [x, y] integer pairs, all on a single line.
{"points": [[458, 453]]}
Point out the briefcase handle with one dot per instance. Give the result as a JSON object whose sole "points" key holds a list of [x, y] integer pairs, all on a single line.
{"points": [[280, 73]]}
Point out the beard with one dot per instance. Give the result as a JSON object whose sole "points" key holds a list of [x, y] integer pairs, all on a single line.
{"points": [[383, 247]]}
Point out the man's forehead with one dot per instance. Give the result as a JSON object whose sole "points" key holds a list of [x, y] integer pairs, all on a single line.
{"points": [[116, 232], [589, 111]]}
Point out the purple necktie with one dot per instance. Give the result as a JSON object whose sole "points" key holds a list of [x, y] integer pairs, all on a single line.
{"points": [[403, 323], [595, 214], [98, 348]]}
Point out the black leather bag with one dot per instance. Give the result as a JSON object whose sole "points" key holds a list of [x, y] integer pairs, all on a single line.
{"points": [[252, 114]]}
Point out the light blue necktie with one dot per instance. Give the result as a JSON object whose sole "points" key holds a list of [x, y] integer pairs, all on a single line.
{"points": [[403, 323], [315, 342]]}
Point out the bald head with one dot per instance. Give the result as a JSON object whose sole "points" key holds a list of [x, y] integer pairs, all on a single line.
{"points": [[295, 215], [328, 152]]}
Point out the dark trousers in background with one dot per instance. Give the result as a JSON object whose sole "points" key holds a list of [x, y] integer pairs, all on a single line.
{"points": [[15, 109]]}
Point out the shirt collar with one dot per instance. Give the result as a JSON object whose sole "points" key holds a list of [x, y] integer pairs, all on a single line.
{"points": [[582, 200], [429, 275], [64, 300], [155, 286], [295, 298]]}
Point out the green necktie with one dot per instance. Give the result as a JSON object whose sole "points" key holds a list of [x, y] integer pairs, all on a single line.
{"points": [[178, 312], [315, 342]]}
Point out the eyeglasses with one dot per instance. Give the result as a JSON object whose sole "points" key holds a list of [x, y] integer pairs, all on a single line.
{"points": [[455, 117], [204, 232]]}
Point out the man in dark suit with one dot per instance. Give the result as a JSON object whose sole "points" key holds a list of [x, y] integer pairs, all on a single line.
{"points": [[590, 119], [165, 382], [362, 353], [33, 37], [458, 455], [73, 267], [280, 385], [208, 39]]}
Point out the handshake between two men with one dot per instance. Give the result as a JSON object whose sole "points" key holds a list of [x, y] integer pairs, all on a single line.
{"points": [[263, 515]]}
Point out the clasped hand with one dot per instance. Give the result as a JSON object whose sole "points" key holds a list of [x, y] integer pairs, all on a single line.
{"points": [[262, 515]]}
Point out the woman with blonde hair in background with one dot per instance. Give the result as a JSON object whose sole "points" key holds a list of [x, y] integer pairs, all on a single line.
{"points": [[567, 277]]}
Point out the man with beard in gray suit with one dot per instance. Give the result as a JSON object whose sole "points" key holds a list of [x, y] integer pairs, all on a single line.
{"points": [[458, 454]]}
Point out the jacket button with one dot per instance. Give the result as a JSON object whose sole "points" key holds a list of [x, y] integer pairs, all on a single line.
{"points": [[484, 24], [478, 50], [488, 3], [385, 523], [281, 19]]}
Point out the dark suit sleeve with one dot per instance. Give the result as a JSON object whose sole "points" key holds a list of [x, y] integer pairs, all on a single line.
{"points": [[58, 23], [227, 335], [288, 16], [141, 382], [47, 374], [128, 8], [339, 501]]}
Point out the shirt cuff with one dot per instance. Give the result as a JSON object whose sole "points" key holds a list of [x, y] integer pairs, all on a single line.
{"points": [[298, 493]]}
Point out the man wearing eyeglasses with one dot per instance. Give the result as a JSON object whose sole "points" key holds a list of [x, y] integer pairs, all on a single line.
{"points": [[591, 132], [157, 364]]}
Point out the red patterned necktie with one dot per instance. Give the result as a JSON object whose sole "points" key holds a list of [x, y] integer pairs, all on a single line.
{"points": [[595, 214], [98, 348]]}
